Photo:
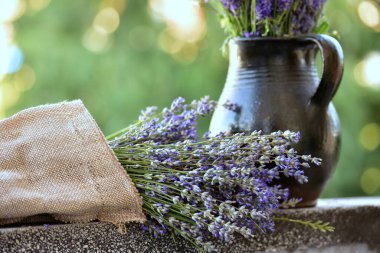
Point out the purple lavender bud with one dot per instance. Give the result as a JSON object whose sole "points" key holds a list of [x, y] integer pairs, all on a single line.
{"points": [[264, 9], [232, 5], [283, 5], [306, 16], [147, 113], [231, 106], [177, 104]]}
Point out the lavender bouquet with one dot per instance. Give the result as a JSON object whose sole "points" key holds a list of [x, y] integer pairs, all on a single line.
{"points": [[270, 18], [212, 188]]}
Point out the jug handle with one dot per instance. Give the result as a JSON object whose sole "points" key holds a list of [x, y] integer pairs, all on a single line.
{"points": [[332, 58]]}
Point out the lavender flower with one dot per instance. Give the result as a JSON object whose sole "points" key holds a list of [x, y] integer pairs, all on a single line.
{"points": [[231, 106], [264, 9], [306, 16], [258, 18], [211, 188], [283, 6], [232, 5]]}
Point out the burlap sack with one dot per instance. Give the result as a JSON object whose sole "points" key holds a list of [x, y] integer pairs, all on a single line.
{"points": [[55, 160]]}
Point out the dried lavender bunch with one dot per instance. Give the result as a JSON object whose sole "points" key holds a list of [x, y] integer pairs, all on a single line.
{"points": [[270, 18], [209, 188]]}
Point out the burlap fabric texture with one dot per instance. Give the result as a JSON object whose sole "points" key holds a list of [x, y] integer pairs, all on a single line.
{"points": [[55, 160]]}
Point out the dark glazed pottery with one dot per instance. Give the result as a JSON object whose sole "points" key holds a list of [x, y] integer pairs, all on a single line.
{"points": [[275, 83]]}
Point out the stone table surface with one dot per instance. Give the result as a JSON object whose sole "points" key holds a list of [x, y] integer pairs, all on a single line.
{"points": [[356, 222]]}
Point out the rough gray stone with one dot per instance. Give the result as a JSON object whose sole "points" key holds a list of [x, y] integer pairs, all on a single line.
{"points": [[356, 222]]}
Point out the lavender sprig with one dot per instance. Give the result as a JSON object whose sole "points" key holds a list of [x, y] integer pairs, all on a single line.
{"points": [[273, 18], [207, 189]]}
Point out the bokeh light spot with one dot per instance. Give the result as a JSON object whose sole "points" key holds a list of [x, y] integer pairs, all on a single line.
{"points": [[106, 21], [369, 13], [10, 95], [10, 10], [370, 180], [16, 59], [187, 54], [168, 43], [369, 136], [184, 18], [118, 5], [24, 79], [7, 32], [367, 71], [96, 42], [37, 5], [6, 55]]}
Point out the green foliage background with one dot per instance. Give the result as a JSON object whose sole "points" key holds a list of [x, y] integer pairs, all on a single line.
{"points": [[115, 85]]}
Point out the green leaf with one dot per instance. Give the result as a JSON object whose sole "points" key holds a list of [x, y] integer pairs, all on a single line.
{"points": [[322, 28]]}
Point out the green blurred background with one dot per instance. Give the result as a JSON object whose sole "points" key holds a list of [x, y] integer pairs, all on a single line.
{"points": [[120, 56]]}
